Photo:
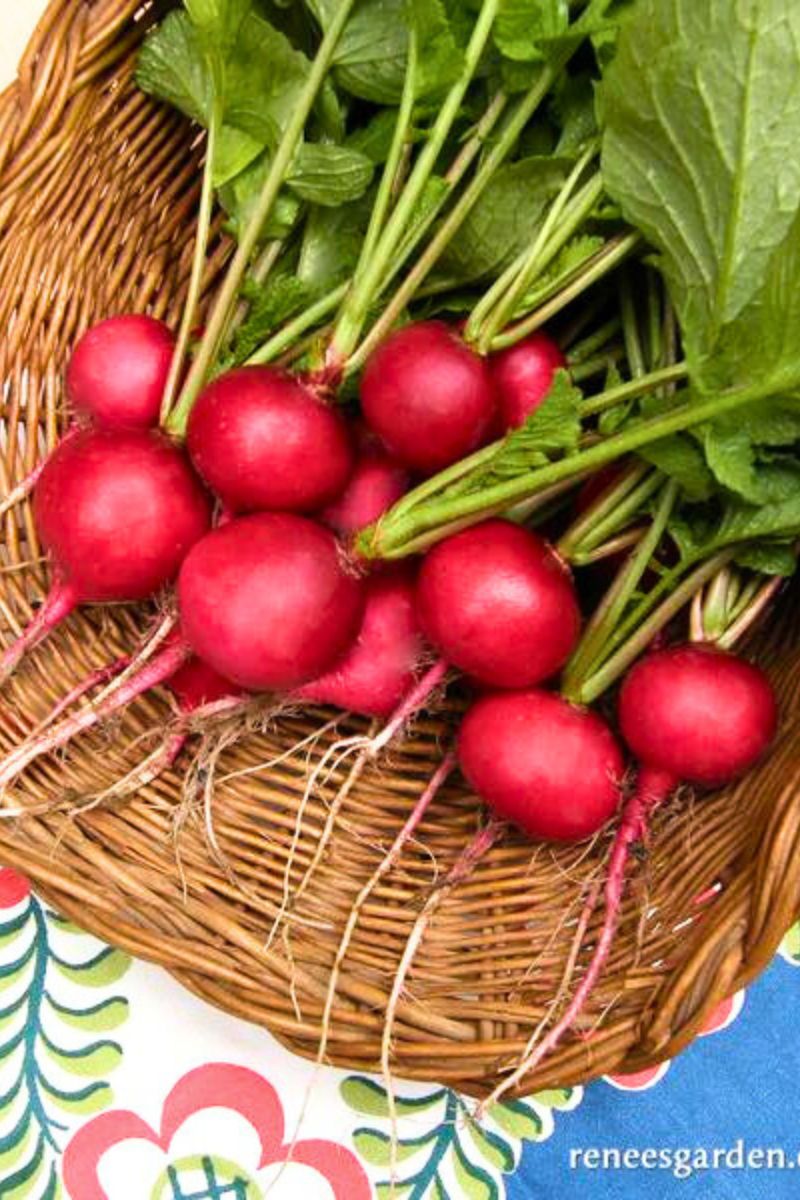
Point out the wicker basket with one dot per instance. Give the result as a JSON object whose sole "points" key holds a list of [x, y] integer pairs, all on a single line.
{"points": [[98, 188]]}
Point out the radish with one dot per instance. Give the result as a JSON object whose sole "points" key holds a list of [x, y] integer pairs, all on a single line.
{"points": [[377, 482], [499, 604], [267, 600], [118, 371], [378, 669], [552, 768], [523, 375], [427, 396], [117, 512], [690, 712], [264, 441]]}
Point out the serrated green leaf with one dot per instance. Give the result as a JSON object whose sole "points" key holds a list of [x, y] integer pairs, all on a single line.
{"points": [[522, 25], [769, 558], [218, 21], [102, 970], [574, 109], [554, 426], [264, 76], [369, 1098], [270, 305], [329, 175], [495, 1150], [240, 196], [681, 459], [371, 54], [100, 1018], [332, 240], [375, 138], [172, 68], [702, 112], [84, 1101], [439, 57], [505, 218]]}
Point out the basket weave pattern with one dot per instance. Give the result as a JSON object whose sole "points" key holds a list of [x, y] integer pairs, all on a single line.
{"points": [[98, 189]]}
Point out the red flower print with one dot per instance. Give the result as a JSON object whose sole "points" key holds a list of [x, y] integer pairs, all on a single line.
{"points": [[215, 1086], [14, 888]]}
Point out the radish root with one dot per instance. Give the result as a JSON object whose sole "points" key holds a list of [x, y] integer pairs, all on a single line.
{"points": [[367, 748], [652, 788], [462, 868]]}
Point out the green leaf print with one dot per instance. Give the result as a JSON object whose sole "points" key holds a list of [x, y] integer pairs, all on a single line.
{"points": [[54, 1059]]}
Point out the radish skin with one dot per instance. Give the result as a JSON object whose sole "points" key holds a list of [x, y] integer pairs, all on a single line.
{"points": [[268, 601], [117, 513], [376, 484], [118, 371], [553, 769], [427, 396], [523, 375], [262, 440], [497, 602]]}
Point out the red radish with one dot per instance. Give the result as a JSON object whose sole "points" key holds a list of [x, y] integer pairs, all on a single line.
{"points": [[376, 484], [523, 375], [376, 672], [117, 512], [268, 601], [428, 397], [118, 372], [550, 767], [690, 712], [498, 603], [264, 441], [196, 684]]}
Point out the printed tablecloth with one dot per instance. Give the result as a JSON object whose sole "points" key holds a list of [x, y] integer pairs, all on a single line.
{"points": [[116, 1084]]}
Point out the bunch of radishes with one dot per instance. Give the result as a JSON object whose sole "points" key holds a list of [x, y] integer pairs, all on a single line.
{"points": [[271, 598]]}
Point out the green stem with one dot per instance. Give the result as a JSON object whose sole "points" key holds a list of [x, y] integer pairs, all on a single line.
{"points": [[618, 597], [189, 318], [293, 329], [620, 515], [383, 199], [635, 387], [607, 502], [630, 328], [355, 310], [454, 219], [388, 537], [634, 646], [545, 246], [584, 349], [599, 265], [461, 164], [596, 366], [223, 307]]}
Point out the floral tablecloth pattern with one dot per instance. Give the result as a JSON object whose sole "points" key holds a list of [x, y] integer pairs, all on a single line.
{"points": [[116, 1084]]}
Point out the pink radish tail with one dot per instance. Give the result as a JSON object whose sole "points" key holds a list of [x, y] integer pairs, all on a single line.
{"points": [[157, 671], [60, 601], [652, 787], [413, 702], [95, 679]]}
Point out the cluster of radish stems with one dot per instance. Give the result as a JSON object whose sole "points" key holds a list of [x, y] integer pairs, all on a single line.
{"points": [[629, 516]]}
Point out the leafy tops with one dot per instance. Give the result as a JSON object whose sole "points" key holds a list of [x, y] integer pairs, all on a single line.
{"points": [[701, 150]]}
